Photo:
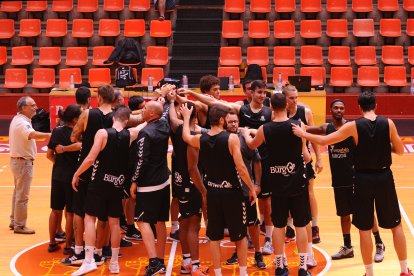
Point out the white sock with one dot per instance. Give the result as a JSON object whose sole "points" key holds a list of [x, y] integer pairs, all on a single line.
{"points": [[290, 223], [217, 271], [196, 265], [78, 249], [269, 231], [186, 259], [89, 253], [98, 251], [404, 268], [243, 270], [279, 261], [369, 269], [302, 261], [174, 226], [314, 221], [114, 257], [310, 252]]}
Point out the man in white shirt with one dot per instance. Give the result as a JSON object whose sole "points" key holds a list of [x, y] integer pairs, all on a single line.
{"points": [[22, 154]]}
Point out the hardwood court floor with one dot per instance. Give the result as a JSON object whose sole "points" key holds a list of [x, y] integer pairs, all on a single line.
{"points": [[11, 244]]}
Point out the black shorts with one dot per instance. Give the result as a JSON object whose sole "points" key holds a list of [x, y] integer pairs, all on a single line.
{"points": [[190, 204], [79, 198], [265, 189], [151, 207], [251, 210], [344, 200], [104, 203], [226, 209], [297, 205], [310, 172], [375, 188], [61, 195]]}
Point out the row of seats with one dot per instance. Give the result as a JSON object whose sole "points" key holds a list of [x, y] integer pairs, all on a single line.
{"points": [[86, 6], [16, 78], [315, 6], [84, 28], [76, 56]]}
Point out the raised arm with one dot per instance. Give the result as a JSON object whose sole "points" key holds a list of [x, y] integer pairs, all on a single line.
{"points": [[396, 143], [174, 121], [134, 131], [319, 130], [255, 142], [192, 140], [39, 135]]}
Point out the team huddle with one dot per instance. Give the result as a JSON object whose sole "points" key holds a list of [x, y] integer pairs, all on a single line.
{"points": [[111, 162]]}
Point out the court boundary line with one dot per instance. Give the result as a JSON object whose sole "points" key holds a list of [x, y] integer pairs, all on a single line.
{"points": [[320, 187], [406, 218], [171, 259], [327, 258], [14, 259]]}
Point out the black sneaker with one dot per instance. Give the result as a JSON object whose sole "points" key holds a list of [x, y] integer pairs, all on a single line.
{"points": [[133, 235], [233, 259], [60, 237], [303, 272], [281, 272], [175, 236], [99, 260], [290, 234], [258, 260], [125, 243], [158, 269], [315, 235], [75, 259], [67, 251], [53, 247]]}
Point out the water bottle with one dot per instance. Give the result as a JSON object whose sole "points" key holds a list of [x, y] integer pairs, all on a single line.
{"points": [[184, 82], [412, 87], [279, 83], [231, 83], [150, 84], [72, 83]]}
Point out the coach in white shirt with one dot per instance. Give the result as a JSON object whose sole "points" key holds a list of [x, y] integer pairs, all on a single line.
{"points": [[22, 154]]}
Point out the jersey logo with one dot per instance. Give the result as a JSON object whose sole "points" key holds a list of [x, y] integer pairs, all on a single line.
{"points": [[287, 170], [116, 180], [178, 179], [245, 115], [223, 185], [262, 118]]}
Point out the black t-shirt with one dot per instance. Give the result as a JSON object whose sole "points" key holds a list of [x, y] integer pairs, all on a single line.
{"points": [[65, 163]]}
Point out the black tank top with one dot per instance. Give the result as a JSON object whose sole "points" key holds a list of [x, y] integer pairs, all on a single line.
{"points": [[373, 151], [217, 162], [96, 121], [207, 123], [341, 160], [109, 168], [300, 114], [285, 165], [266, 102]]}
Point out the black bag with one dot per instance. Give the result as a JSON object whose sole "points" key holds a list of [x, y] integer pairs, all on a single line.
{"points": [[41, 121], [125, 76]]}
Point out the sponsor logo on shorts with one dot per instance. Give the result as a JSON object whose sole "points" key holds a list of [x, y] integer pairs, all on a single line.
{"points": [[338, 153], [178, 179], [287, 170], [116, 180]]}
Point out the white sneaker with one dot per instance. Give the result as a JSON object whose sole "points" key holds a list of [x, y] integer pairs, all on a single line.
{"points": [[379, 252], [85, 268], [114, 267], [311, 262], [267, 248]]}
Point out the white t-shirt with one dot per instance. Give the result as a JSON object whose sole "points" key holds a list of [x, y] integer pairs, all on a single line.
{"points": [[20, 144]]}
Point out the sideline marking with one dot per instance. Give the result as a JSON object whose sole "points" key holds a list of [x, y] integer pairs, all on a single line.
{"points": [[320, 187], [327, 258], [171, 259], [407, 219], [14, 259]]}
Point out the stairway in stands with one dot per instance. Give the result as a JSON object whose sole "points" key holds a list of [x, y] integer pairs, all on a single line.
{"points": [[197, 36]]}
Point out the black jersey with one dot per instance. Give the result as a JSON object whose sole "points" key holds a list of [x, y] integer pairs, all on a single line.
{"points": [[96, 121], [109, 168], [300, 114], [341, 160], [218, 165], [249, 156], [207, 123], [266, 102], [286, 167], [373, 151]]}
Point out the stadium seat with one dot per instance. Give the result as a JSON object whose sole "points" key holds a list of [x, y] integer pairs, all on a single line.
{"points": [[390, 27], [310, 28], [160, 28], [134, 27], [30, 28], [62, 5], [3, 55], [285, 6], [82, 28], [258, 55], [139, 5], [388, 5], [339, 55], [232, 29], [100, 54], [109, 27], [11, 6], [113, 5], [56, 27], [368, 76], [22, 55], [409, 27], [337, 28], [284, 29], [365, 55], [363, 27], [87, 6], [36, 6], [49, 56], [341, 76], [43, 78], [408, 5], [235, 6], [310, 6], [76, 56], [156, 73], [285, 71], [260, 6], [230, 56], [64, 76], [362, 6], [318, 74], [259, 29], [392, 55], [6, 28], [336, 5], [157, 55], [395, 76], [15, 78], [229, 71], [311, 55], [411, 55], [284, 56], [99, 76]]}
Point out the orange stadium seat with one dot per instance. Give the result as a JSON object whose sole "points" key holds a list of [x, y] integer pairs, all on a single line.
{"points": [[62, 5], [157, 55], [22, 55], [341, 76], [11, 6], [232, 29], [310, 6], [337, 28], [390, 27], [311, 55], [310, 28], [365, 55], [87, 6], [109, 27], [388, 5], [30, 28], [284, 29], [15, 78], [368, 76], [318, 74], [395, 76], [259, 29], [235, 6], [64, 76], [409, 27], [76, 56], [134, 27], [230, 56], [408, 5], [99, 76], [6, 28], [49, 56], [284, 56], [260, 6], [392, 55], [362, 6], [82, 28], [36, 6], [100, 54], [336, 5], [113, 5], [43, 78], [285, 6], [156, 73], [160, 28], [258, 55], [139, 5], [3, 55], [285, 71], [363, 27], [411, 55], [229, 71], [56, 27], [339, 55]]}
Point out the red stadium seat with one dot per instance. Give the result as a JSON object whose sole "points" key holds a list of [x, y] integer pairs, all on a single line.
{"points": [[259, 29], [337, 28], [156, 73], [336, 5], [232, 29], [160, 28], [318, 74], [341, 76], [6, 28], [408, 5], [157, 55], [30, 28], [109, 27], [411, 55], [56, 27], [36, 6], [285, 6], [64, 76], [363, 27], [258, 55], [49, 56], [409, 27], [362, 6], [284, 56], [22, 55], [113, 5], [260, 6], [43, 78], [368, 76], [365, 55], [100, 54], [395, 76], [388, 5], [310, 28], [392, 55], [99, 76], [339, 55], [10, 6], [284, 29], [139, 5], [3, 55], [390, 27], [82, 28], [310, 6], [230, 56], [87, 5], [229, 71], [285, 71], [76, 56], [235, 6], [15, 78], [311, 55], [62, 5], [134, 27]]}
